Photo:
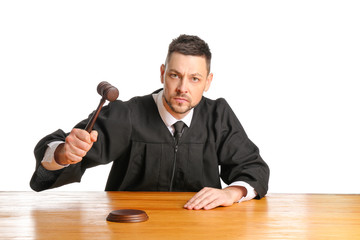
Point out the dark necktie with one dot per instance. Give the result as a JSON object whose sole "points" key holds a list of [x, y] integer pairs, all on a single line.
{"points": [[179, 126]]}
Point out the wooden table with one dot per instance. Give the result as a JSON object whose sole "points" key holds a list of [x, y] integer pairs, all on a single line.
{"points": [[82, 215]]}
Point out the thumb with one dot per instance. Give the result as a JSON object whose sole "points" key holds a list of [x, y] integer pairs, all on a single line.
{"points": [[93, 135]]}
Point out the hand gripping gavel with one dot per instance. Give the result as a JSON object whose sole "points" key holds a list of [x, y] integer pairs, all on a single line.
{"points": [[108, 92]]}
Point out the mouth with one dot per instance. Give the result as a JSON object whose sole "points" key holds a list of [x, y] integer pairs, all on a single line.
{"points": [[181, 100]]}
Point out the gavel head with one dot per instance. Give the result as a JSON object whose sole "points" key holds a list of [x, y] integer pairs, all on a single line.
{"points": [[108, 91]]}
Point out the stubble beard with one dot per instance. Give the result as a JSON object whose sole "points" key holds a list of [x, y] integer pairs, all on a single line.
{"points": [[174, 108]]}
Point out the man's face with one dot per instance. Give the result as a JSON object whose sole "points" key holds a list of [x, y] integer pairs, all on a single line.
{"points": [[185, 79]]}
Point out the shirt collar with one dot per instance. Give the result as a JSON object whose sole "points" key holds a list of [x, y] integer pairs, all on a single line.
{"points": [[167, 118]]}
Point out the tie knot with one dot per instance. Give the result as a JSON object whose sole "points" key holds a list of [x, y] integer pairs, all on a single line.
{"points": [[179, 125]]}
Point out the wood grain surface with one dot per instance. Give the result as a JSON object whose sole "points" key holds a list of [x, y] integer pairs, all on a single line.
{"points": [[82, 215]]}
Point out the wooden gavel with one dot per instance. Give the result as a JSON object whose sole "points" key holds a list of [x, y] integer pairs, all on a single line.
{"points": [[108, 92], [111, 93]]}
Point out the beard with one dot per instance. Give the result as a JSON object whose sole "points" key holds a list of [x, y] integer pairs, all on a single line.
{"points": [[179, 108]]}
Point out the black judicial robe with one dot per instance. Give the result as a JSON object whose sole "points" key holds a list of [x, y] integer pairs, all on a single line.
{"points": [[134, 138]]}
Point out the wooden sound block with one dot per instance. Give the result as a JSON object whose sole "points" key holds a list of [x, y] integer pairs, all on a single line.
{"points": [[127, 216]]}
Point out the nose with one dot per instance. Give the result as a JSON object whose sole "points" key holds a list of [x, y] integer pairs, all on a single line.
{"points": [[182, 86]]}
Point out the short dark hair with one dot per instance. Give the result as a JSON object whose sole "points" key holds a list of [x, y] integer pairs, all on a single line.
{"points": [[190, 45]]}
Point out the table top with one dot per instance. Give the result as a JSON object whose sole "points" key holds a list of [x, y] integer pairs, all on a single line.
{"points": [[82, 215]]}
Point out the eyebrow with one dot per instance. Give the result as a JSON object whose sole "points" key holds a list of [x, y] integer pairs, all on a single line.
{"points": [[197, 74], [177, 72]]}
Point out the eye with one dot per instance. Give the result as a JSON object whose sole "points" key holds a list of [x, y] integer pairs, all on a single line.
{"points": [[174, 75], [195, 79]]}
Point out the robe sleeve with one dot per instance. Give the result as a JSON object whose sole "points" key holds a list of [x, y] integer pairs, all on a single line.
{"points": [[114, 128], [239, 157]]}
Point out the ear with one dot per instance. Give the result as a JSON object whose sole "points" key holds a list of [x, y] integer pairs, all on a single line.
{"points": [[208, 81], [162, 72]]}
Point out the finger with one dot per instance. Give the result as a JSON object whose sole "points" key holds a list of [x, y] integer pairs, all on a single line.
{"points": [[75, 142], [72, 150], [81, 135], [72, 158], [213, 204], [197, 201], [204, 202], [195, 197]]}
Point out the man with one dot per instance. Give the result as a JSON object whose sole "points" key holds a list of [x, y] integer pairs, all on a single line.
{"points": [[150, 151]]}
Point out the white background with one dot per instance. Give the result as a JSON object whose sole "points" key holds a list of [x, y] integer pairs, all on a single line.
{"points": [[289, 69]]}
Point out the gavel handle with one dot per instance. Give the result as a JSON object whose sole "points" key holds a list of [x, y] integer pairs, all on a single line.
{"points": [[93, 118]]}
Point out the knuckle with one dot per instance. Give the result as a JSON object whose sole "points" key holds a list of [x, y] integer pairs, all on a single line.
{"points": [[83, 153], [69, 138], [88, 147], [67, 155]]}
